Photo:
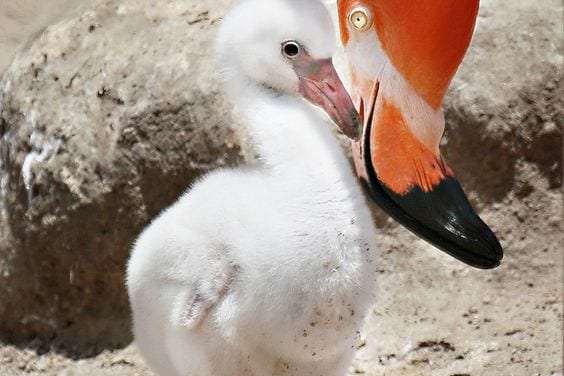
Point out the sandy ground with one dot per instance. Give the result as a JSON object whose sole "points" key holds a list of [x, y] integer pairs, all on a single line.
{"points": [[455, 321], [462, 322]]}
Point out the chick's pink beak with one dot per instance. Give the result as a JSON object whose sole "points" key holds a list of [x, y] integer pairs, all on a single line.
{"points": [[321, 85]]}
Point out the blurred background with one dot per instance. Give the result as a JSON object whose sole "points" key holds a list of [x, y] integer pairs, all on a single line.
{"points": [[109, 109]]}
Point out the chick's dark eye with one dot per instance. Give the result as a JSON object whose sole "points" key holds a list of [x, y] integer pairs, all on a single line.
{"points": [[291, 49]]}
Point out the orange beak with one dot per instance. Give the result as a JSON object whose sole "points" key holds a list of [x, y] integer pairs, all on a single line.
{"points": [[402, 62]]}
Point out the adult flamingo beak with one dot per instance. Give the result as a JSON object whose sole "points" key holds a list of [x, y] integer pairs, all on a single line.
{"points": [[415, 48], [435, 207]]}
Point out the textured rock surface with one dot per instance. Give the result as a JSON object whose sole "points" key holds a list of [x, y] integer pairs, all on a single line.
{"points": [[22, 20], [433, 316], [105, 118]]}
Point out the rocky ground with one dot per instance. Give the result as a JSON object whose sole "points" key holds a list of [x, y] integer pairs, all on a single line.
{"points": [[433, 315]]}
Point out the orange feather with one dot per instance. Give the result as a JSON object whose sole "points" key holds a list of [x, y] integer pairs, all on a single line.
{"points": [[425, 39], [402, 162]]}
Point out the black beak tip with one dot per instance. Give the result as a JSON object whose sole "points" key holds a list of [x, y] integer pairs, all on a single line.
{"points": [[452, 224], [486, 253], [445, 218], [453, 218]]}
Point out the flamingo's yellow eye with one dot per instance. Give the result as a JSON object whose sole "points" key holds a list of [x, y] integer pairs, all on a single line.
{"points": [[360, 18]]}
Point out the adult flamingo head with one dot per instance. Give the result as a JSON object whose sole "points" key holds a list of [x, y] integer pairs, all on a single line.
{"points": [[403, 56]]}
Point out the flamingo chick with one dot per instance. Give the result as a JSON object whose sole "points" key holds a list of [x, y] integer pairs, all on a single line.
{"points": [[266, 270]]}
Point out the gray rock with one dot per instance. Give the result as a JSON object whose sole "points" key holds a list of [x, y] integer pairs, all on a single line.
{"points": [[105, 119], [24, 19], [505, 108]]}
